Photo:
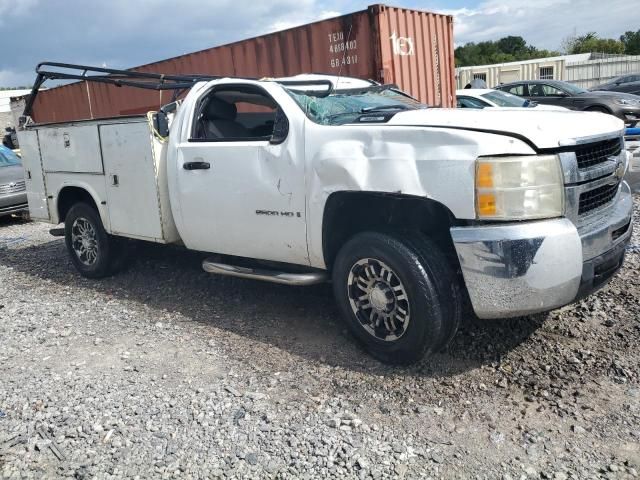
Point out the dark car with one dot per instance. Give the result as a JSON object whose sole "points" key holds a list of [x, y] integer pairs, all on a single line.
{"points": [[13, 194], [624, 84], [554, 92]]}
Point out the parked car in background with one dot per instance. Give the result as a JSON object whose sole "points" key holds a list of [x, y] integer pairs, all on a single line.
{"points": [[632, 144], [13, 194], [624, 84], [486, 97], [554, 92]]}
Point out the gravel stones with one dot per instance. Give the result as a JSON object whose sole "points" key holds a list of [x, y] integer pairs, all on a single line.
{"points": [[164, 371]]}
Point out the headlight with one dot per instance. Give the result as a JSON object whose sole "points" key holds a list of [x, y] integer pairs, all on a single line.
{"points": [[519, 188], [626, 101]]}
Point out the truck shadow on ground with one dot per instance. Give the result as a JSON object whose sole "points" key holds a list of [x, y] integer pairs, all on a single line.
{"points": [[303, 321]]}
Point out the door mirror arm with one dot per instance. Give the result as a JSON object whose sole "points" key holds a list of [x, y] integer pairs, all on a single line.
{"points": [[161, 124]]}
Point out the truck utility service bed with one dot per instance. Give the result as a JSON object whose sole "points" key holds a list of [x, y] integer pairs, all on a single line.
{"points": [[120, 161]]}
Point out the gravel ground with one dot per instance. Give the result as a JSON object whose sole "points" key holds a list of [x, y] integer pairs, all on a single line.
{"points": [[165, 371]]}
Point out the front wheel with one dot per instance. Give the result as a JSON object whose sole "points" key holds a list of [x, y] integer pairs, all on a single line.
{"points": [[398, 295], [93, 252]]}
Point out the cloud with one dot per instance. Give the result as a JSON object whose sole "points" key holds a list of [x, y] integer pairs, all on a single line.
{"points": [[297, 19], [15, 78], [544, 23], [122, 34], [10, 9]]}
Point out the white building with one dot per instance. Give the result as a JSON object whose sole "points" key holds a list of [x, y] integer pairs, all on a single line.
{"points": [[584, 69], [7, 117]]}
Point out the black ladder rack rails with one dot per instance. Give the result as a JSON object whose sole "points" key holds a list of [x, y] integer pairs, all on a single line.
{"points": [[129, 78]]}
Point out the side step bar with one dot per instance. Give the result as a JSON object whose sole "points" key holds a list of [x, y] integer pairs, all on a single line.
{"points": [[300, 279]]}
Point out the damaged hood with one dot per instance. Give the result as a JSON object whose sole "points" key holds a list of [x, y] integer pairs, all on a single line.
{"points": [[543, 128]]}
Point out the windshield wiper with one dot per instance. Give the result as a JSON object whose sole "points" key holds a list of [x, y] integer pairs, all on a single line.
{"points": [[383, 107]]}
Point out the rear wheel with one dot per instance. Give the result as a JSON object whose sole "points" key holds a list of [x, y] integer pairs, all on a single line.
{"points": [[396, 295], [93, 252]]}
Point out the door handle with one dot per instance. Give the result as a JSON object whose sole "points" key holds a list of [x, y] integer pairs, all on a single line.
{"points": [[196, 166]]}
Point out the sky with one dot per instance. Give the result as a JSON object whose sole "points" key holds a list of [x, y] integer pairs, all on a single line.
{"points": [[126, 33]]}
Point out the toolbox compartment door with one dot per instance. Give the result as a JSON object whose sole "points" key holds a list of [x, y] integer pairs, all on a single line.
{"points": [[131, 181], [71, 149], [33, 177]]}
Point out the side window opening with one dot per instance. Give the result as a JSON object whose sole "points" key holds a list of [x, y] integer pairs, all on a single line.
{"points": [[235, 114], [468, 102], [517, 90]]}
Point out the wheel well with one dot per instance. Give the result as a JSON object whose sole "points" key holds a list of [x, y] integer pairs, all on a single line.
{"points": [[69, 196], [598, 108], [349, 213]]}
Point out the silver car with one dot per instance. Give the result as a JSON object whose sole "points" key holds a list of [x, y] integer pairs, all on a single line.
{"points": [[13, 194]]}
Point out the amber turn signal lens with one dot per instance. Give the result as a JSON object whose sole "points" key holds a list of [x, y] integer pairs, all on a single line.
{"points": [[485, 175], [486, 204]]}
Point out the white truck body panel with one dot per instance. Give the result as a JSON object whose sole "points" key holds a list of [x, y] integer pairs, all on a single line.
{"points": [[118, 162], [434, 163]]}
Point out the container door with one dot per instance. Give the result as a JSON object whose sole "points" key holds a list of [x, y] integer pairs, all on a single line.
{"points": [[34, 179], [132, 196]]}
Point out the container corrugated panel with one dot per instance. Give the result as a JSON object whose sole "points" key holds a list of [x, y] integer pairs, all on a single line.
{"points": [[413, 49], [417, 53]]}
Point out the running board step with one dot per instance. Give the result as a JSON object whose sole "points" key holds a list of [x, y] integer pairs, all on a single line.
{"points": [[309, 278], [57, 232]]}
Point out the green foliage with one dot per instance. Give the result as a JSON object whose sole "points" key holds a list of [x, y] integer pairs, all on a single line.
{"points": [[507, 49], [592, 43], [631, 42]]}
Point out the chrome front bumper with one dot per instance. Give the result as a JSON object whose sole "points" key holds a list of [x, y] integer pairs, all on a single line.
{"points": [[528, 267]]}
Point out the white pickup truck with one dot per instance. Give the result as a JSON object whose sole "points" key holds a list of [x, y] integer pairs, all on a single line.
{"points": [[411, 212]]}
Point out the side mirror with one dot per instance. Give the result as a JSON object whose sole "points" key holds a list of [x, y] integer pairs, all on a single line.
{"points": [[280, 128], [161, 124]]}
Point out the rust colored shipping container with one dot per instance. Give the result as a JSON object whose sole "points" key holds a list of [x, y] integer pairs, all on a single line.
{"points": [[411, 48]]}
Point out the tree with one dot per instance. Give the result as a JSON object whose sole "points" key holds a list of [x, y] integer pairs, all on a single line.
{"points": [[592, 43], [507, 49], [631, 42], [512, 45]]}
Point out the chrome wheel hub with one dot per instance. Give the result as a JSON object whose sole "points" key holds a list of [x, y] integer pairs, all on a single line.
{"points": [[378, 299], [84, 241]]}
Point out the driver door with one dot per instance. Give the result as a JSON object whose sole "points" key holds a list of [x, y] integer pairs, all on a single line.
{"points": [[553, 96], [241, 186]]}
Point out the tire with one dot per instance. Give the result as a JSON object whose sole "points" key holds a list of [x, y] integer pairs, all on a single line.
{"points": [[93, 252], [398, 295], [448, 284]]}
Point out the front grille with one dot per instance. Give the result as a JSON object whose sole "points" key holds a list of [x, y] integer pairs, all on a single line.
{"points": [[597, 197], [595, 153], [13, 187]]}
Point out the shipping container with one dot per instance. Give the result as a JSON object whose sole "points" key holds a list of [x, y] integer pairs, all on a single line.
{"points": [[410, 48]]}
